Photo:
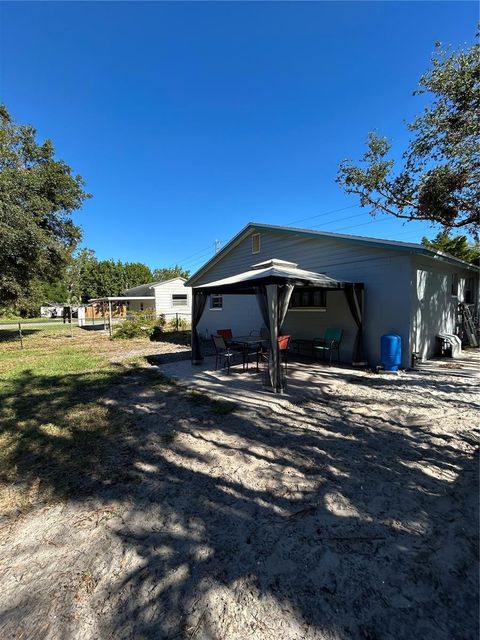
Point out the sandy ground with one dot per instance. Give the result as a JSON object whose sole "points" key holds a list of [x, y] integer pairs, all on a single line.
{"points": [[346, 509]]}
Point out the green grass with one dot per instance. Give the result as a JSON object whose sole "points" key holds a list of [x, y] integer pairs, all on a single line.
{"points": [[169, 437], [29, 320], [57, 435]]}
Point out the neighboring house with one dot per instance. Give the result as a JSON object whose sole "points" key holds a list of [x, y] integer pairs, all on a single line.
{"points": [[167, 296], [409, 289], [55, 310]]}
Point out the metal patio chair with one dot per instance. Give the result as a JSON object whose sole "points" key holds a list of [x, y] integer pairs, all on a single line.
{"points": [[225, 352], [329, 344], [283, 345]]}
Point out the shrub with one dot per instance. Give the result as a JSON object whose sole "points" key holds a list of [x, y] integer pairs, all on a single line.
{"points": [[142, 325], [183, 324]]}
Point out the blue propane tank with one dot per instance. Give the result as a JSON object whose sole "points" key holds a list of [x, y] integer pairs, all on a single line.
{"points": [[391, 351]]}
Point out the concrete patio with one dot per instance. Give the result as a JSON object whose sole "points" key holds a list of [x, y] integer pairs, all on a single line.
{"points": [[306, 380]]}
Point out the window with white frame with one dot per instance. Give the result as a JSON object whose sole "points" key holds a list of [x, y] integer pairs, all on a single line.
{"points": [[454, 285], [308, 299], [179, 300], [256, 243], [216, 302]]}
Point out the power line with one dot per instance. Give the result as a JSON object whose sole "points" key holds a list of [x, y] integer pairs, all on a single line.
{"points": [[192, 255], [325, 213], [323, 224], [318, 215]]}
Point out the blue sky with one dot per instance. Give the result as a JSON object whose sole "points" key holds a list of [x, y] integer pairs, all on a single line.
{"points": [[188, 120]]}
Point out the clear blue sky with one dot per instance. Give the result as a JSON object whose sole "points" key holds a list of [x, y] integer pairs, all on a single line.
{"points": [[189, 120]]}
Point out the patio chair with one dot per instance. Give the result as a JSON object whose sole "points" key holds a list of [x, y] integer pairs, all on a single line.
{"points": [[223, 351], [227, 335], [330, 343], [283, 344]]}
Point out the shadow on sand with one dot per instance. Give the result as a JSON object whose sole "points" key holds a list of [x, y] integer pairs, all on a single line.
{"points": [[320, 518]]}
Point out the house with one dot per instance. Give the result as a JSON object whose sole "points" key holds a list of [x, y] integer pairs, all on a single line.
{"points": [[168, 297], [409, 289]]}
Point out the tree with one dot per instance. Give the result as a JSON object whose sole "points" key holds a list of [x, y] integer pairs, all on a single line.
{"points": [[87, 277], [37, 197], [457, 246], [136, 273], [438, 178], [167, 273]]}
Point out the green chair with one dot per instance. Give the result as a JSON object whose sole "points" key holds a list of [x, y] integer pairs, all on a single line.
{"points": [[330, 343]]}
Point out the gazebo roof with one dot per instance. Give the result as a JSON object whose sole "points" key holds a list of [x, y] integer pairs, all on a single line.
{"points": [[272, 271]]}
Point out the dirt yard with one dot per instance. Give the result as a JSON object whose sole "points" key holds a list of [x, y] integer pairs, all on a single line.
{"points": [[351, 512]]}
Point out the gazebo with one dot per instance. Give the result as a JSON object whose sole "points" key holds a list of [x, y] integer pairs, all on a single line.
{"points": [[272, 282]]}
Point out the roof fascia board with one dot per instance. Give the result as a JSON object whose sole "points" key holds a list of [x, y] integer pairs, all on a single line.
{"points": [[162, 282], [218, 256]]}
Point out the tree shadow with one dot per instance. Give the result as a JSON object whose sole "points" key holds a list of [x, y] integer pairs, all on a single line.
{"points": [[317, 523], [12, 335]]}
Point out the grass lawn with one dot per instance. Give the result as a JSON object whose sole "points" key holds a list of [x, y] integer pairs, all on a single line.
{"points": [[8, 321], [55, 426]]}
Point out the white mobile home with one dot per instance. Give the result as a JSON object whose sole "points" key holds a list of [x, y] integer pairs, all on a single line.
{"points": [[168, 297], [409, 290]]}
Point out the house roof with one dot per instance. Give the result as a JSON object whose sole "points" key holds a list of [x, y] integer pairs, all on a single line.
{"points": [[152, 285], [120, 298], [393, 245]]}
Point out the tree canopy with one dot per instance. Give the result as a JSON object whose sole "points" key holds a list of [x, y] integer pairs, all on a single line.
{"points": [[457, 246], [37, 197], [167, 273], [438, 177]]}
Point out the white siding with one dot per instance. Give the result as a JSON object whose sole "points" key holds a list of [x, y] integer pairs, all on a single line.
{"points": [[163, 298]]}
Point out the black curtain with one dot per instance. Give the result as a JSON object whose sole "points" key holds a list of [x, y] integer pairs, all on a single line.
{"points": [[198, 306], [354, 297], [261, 296], [284, 294]]}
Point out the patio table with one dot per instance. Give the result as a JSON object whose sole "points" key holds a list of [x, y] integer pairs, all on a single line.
{"points": [[248, 341]]}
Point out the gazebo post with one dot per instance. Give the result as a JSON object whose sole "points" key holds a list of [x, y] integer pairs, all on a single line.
{"points": [[274, 368]]}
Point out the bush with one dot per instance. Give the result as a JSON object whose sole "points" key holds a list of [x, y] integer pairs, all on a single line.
{"points": [[183, 324], [142, 325]]}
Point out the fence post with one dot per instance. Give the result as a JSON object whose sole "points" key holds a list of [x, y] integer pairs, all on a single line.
{"points": [[20, 333], [177, 321], [110, 318]]}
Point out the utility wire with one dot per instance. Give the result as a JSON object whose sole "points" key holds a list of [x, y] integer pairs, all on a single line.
{"points": [[325, 213]]}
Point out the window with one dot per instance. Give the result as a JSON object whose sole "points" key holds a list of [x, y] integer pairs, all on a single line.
{"points": [[256, 243], [308, 299], [469, 289], [216, 302], [179, 300], [454, 285]]}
